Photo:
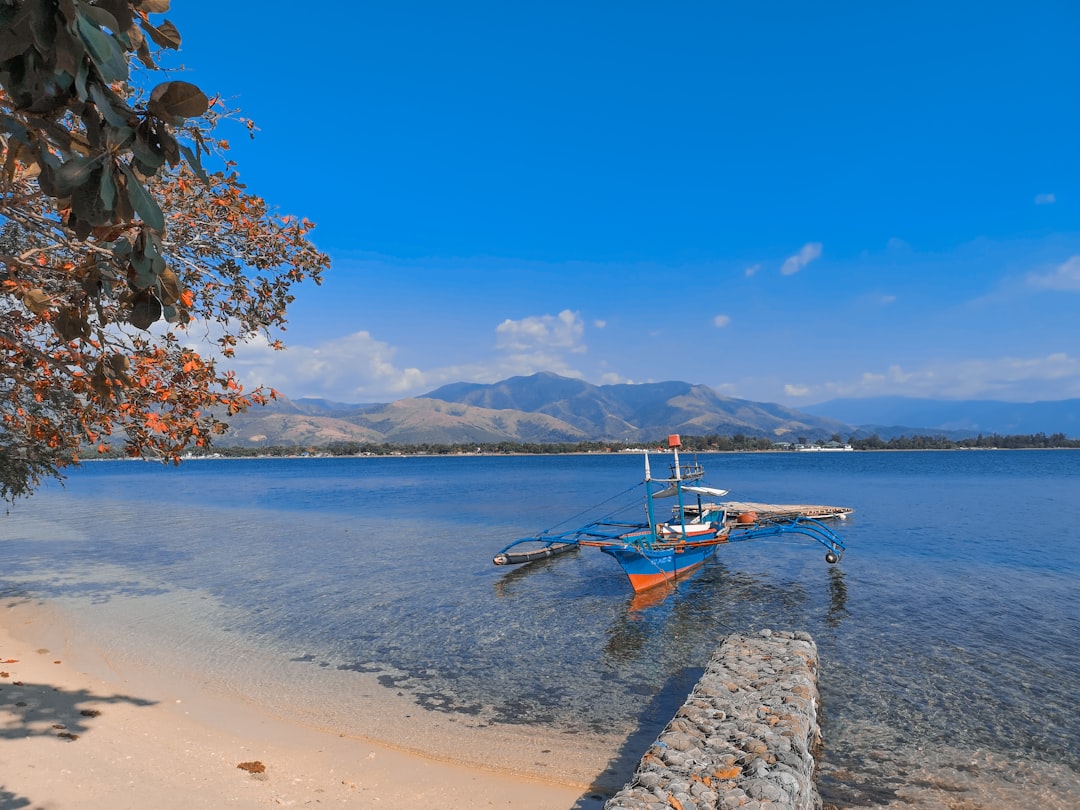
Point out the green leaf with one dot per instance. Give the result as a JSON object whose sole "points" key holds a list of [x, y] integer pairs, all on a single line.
{"points": [[103, 50], [81, 75], [108, 186], [147, 261], [13, 127], [144, 271], [170, 147], [99, 17], [121, 247], [175, 101], [146, 150], [143, 203], [75, 171], [87, 204], [195, 164], [47, 156], [119, 138], [108, 108]]}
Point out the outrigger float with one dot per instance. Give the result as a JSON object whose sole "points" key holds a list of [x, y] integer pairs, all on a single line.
{"points": [[657, 552]]}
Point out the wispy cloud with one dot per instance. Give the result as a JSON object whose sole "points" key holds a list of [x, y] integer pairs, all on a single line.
{"points": [[1045, 199], [752, 270], [807, 254], [1021, 379], [1066, 276], [720, 321]]}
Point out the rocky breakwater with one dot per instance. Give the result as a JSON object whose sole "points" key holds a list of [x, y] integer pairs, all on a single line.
{"points": [[744, 738]]}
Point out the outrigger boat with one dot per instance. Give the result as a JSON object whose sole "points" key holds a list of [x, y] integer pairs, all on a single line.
{"points": [[658, 552]]}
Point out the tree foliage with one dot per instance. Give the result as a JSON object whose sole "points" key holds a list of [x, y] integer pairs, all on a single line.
{"points": [[119, 251]]}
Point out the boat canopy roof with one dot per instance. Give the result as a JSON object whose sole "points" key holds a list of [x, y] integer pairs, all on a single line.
{"points": [[700, 490], [717, 493]]}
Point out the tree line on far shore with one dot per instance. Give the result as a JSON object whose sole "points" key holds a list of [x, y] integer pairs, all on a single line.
{"points": [[700, 444]]}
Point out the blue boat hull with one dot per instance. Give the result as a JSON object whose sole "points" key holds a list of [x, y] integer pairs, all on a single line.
{"points": [[647, 568]]}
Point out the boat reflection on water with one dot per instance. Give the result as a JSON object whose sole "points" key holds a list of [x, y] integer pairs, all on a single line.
{"points": [[643, 600], [515, 576], [669, 621], [653, 618]]}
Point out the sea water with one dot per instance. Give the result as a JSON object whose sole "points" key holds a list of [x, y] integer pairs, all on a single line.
{"points": [[949, 633]]}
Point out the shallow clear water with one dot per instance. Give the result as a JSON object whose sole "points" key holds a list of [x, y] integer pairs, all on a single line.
{"points": [[949, 634]]}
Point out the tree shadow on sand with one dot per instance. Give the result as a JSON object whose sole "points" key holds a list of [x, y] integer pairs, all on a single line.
{"points": [[42, 710]]}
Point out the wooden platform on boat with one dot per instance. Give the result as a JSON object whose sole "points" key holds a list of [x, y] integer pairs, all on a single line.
{"points": [[766, 511]]}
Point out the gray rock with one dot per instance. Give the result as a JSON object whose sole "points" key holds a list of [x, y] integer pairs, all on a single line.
{"points": [[741, 739]]}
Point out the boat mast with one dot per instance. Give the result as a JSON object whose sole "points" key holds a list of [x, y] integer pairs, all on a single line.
{"points": [[648, 496], [675, 442]]}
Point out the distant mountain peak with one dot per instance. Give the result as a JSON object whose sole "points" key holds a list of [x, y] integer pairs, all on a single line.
{"points": [[634, 411], [546, 407]]}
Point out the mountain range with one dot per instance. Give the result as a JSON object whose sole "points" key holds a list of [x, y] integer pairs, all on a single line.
{"points": [[548, 408], [956, 417]]}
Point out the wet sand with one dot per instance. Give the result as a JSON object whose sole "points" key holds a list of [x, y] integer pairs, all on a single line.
{"points": [[79, 729]]}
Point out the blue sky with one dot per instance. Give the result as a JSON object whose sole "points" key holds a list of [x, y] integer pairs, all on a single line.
{"points": [[788, 202]]}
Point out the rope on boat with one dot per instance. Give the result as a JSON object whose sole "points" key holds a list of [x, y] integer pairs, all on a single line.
{"points": [[588, 509]]}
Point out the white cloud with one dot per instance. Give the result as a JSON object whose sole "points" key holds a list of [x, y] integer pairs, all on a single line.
{"points": [[599, 324], [353, 368], [752, 270], [360, 368], [1017, 379], [536, 343], [1065, 276], [807, 254], [1045, 199], [540, 332], [720, 321]]}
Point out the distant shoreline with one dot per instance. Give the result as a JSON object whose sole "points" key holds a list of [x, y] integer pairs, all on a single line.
{"points": [[526, 454]]}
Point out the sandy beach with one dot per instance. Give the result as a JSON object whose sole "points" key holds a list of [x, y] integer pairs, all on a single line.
{"points": [[78, 731]]}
